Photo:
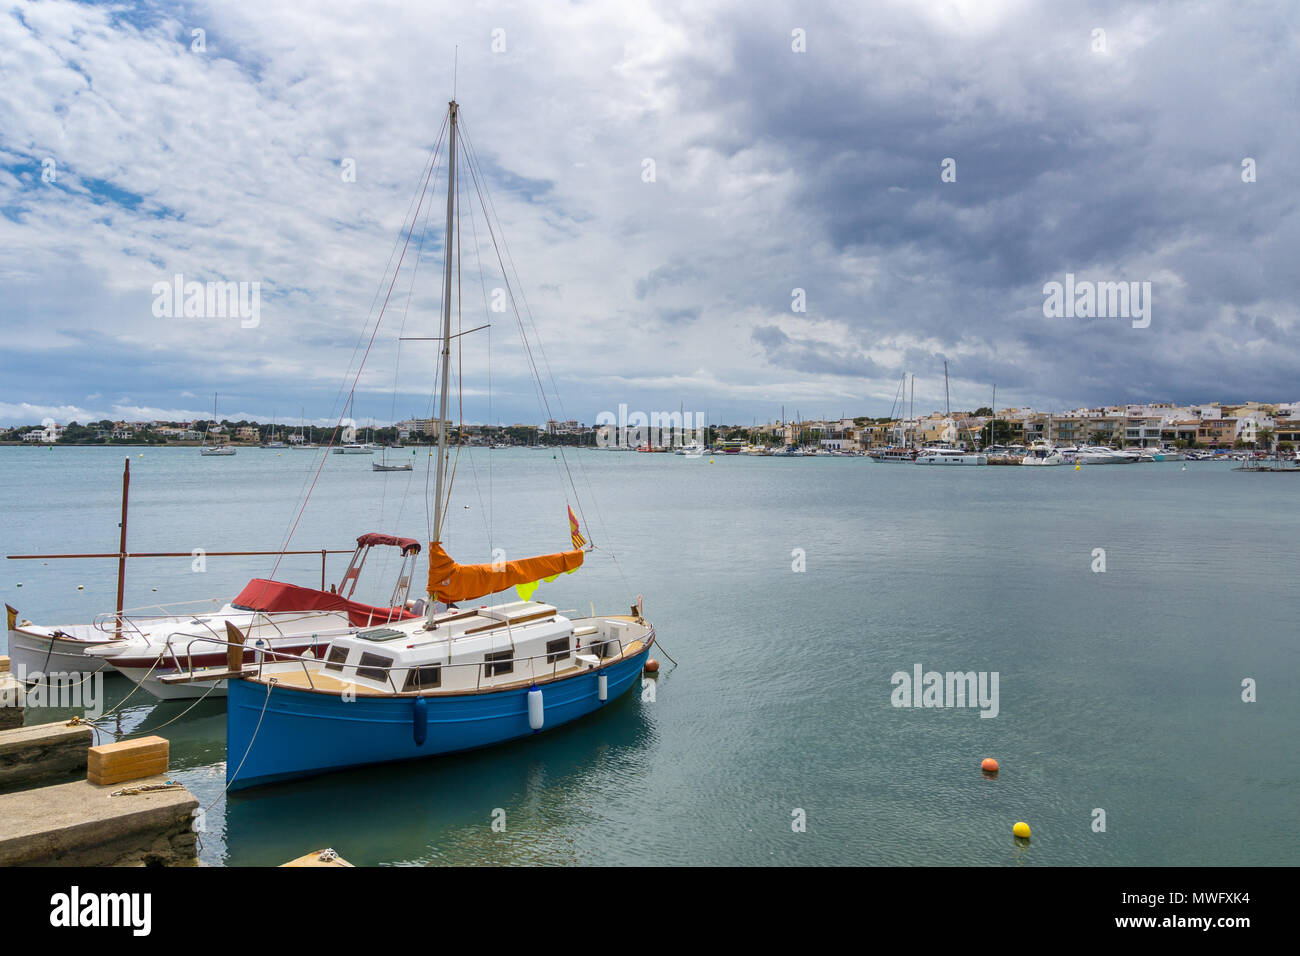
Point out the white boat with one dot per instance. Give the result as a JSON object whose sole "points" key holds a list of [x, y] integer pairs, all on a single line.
{"points": [[383, 465], [1042, 453], [354, 448], [1169, 454], [897, 454], [950, 456], [1099, 455], [944, 454], [39, 649], [152, 643], [1005, 454], [693, 450], [218, 451], [157, 649]]}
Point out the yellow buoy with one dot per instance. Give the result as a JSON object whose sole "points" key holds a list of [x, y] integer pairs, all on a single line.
{"points": [[1021, 830], [1076, 466]]}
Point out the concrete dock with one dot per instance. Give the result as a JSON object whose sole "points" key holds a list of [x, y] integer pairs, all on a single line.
{"points": [[11, 709], [81, 824], [42, 753]]}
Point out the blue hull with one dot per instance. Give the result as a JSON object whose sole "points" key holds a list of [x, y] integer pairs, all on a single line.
{"points": [[304, 733]]}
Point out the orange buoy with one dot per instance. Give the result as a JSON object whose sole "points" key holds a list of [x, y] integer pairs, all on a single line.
{"points": [[652, 666], [989, 765]]}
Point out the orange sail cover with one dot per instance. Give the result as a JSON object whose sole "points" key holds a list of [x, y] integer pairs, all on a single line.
{"points": [[449, 581]]}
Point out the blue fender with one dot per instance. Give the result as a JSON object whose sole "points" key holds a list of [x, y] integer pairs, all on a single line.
{"points": [[420, 721]]}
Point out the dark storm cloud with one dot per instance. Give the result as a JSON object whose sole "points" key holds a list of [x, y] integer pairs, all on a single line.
{"points": [[814, 357], [1117, 166]]}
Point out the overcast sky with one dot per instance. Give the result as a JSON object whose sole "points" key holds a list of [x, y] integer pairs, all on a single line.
{"points": [[129, 154]]}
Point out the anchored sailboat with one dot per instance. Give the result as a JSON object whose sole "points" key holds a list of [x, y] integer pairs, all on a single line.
{"points": [[460, 678], [216, 449]]}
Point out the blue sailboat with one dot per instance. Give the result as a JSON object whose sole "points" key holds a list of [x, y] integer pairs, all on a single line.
{"points": [[459, 678]]}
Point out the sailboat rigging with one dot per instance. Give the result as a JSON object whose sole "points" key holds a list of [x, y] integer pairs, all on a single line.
{"points": [[455, 678]]}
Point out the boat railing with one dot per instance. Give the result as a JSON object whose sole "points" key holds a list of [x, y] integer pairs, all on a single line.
{"points": [[274, 656], [130, 619], [260, 653]]}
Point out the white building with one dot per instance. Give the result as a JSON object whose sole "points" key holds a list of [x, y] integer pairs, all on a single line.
{"points": [[47, 434]]}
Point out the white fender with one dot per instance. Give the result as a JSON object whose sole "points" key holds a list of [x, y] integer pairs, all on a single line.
{"points": [[536, 710]]}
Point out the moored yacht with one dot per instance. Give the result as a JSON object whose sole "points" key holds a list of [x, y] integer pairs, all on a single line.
{"points": [[1099, 455], [950, 456], [896, 453], [1042, 453], [1005, 454]]}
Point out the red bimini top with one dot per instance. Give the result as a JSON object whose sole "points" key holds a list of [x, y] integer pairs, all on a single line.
{"points": [[408, 545], [260, 594]]}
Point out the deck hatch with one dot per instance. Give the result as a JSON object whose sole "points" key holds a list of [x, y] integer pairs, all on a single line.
{"points": [[382, 634]]}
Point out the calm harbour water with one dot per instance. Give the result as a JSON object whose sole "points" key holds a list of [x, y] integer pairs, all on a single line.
{"points": [[1119, 690]]}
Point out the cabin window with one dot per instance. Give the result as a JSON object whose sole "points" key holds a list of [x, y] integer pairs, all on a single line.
{"points": [[499, 663], [423, 678], [374, 667], [557, 650], [337, 656]]}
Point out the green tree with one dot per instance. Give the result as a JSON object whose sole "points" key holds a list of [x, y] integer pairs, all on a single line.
{"points": [[1001, 435]]}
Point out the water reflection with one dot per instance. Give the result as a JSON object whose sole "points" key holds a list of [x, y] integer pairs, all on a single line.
{"points": [[441, 810]]}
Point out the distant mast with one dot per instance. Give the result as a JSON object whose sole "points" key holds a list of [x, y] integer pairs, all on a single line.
{"points": [[911, 414], [993, 417]]}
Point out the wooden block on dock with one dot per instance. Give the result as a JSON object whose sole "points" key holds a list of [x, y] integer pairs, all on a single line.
{"points": [[42, 751], [319, 858], [127, 760]]}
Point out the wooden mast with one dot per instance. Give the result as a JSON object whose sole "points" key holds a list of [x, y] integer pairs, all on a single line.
{"points": [[121, 549], [448, 246]]}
